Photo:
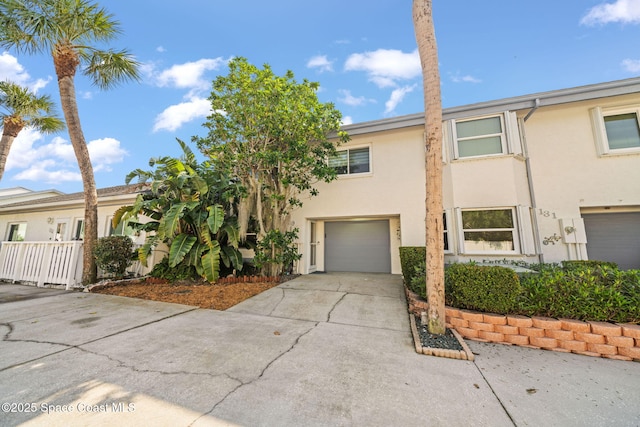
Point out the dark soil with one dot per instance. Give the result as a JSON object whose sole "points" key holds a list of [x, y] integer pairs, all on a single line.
{"points": [[447, 341]]}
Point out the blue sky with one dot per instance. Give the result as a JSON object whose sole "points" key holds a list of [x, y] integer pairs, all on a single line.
{"points": [[362, 53]]}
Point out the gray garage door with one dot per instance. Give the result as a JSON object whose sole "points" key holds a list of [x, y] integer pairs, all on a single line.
{"points": [[614, 237], [357, 246]]}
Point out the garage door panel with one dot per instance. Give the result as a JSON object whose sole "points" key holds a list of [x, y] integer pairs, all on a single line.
{"points": [[361, 246], [614, 237]]}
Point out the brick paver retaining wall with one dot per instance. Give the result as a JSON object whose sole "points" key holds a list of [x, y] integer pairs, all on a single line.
{"points": [[599, 339]]}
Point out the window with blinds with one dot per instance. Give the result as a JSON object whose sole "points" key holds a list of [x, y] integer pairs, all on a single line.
{"points": [[351, 161]]}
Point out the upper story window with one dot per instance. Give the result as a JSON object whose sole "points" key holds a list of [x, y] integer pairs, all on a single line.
{"points": [[617, 130], [480, 137], [485, 136], [351, 161]]}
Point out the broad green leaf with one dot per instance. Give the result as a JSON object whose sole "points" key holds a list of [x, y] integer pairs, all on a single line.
{"points": [[232, 256], [233, 234], [180, 247], [216, 217], [171, 219], [211, 263]]}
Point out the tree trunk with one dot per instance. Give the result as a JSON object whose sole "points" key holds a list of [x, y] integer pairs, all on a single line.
{"points": [[66, 63], [428, 50], [10, 131]]}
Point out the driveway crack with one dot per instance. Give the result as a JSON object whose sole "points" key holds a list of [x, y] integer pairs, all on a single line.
{"points": [[267, 366], [335, 305], [278, 303]]}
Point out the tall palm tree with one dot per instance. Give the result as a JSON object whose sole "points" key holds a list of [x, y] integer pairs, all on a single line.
{"points": [[428, 51], [20, 108], [67, 29]]}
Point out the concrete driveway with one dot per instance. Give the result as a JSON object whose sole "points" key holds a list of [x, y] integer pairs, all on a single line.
{"points": [[324, 349]]}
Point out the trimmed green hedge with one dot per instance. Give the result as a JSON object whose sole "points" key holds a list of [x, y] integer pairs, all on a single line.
{"points": [[491, 289], [583, 290], [579, 265], [412, 258], [597, 294]]}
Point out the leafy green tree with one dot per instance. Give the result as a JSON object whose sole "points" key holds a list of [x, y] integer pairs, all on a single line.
{"points": [[189, 206], [68, 30], [20, 108], [272, 134]]}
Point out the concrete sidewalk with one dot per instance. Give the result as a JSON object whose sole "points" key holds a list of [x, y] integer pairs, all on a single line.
{"points": [[326, 349]]}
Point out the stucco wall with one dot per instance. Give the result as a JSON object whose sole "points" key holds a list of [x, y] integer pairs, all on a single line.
{"points": [[393, 190], [569, 176]]}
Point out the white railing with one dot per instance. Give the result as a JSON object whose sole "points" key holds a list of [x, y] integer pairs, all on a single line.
{"points": [[41, 263]]}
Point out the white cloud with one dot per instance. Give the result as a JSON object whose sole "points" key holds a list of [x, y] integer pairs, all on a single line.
{"points": [[42, 172], [189, 75], [161, 49], [353, 101], [457, 78], [11, 69], [176, 115], [104, 153], [347, 120], [55, 161], [624, 11], [396, 97], [385, 67], [321, 63], [631, 65]]}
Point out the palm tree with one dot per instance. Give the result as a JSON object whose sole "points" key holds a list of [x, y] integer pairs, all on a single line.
{"points": [[66, 29], [23, 108], [428, 51]]}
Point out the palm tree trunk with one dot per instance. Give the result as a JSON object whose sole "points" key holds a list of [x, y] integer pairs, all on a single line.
{"points": [[70, 108], [428, 50], [9, 132]]}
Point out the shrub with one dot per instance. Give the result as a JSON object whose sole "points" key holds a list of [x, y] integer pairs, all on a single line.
{"points": [[418, 280], [162, 270], [491, 289], [579, 265], [584, 293], [114, 254], [410, 258]]}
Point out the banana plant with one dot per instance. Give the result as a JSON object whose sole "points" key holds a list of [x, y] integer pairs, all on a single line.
{"points": [[188, 207]]}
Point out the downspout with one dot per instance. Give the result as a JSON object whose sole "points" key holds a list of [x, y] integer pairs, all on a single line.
{"points": [[527, 162], [536, 105]]}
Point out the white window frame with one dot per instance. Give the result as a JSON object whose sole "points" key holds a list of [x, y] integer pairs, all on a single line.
{"points": [[509, 137], [515, 231], [17, 223], [598, 115], [502, 135], [78, 222], [358, 174], [448, 231]]}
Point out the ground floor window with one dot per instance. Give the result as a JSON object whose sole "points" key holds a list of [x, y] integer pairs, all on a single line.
{"points": [[17, 232], [78, 232], [487, 231]]}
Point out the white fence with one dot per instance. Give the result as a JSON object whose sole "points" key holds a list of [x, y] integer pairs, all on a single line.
{"points": [[42, 263]]}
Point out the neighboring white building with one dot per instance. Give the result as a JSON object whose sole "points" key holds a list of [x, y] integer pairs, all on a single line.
{"points": [[21, 194], [545, 177], [61, 217]]}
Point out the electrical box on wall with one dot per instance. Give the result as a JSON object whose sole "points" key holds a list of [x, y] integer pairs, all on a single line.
{"points": [[573, 230]]}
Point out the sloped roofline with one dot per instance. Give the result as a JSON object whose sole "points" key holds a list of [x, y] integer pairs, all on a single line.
{"points": [[541, 99], [107, 193]]}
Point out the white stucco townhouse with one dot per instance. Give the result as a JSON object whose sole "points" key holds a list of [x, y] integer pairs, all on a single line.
{"points": [[544, 177]]}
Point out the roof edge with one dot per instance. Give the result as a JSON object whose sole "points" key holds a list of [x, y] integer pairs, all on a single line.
{"points": [[554, 97]]}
